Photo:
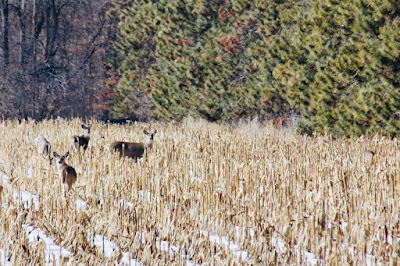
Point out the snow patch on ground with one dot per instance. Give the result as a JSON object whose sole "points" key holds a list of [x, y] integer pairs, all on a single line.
{"points": [[104, 244], [80, 204], [194, 178], [53, 252], [27, 199], [126, 204], [228, 245], [144, 194], [370, 260], [3, 258]]}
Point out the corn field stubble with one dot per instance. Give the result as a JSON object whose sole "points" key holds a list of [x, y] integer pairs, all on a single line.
{"points": [[205, 193]]}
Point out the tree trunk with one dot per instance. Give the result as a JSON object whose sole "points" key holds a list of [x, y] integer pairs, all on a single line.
{"points": [[34, 36], [51, 29], [22, 35], [5, 26]]}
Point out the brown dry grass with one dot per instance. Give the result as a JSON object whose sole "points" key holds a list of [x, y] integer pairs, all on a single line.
{"points": [[276, 195]]}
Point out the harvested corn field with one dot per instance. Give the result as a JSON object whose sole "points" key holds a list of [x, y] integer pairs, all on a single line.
{"points": [[204, 194]]}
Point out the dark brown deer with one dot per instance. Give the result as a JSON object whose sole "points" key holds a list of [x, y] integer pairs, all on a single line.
{"points": [[133, 150], [81, 141]]}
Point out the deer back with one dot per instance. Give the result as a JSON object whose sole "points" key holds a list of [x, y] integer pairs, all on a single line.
{"points": [[43, 146], [129, 149], [79, 141], [68, 175]]}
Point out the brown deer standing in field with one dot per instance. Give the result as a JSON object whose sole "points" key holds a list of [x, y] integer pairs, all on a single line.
{"points": [[279, 122], [133, 150], [67, 173], [43, 147], [81, 141]]}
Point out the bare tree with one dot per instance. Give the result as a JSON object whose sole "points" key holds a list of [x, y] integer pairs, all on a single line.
{"points": [[53, 57], [5, 30]]}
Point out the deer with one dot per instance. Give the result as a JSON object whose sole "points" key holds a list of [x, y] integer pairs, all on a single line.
{"points": [[43, 147], [67, 173], [133, 150], [81, 141], [279, 122]]}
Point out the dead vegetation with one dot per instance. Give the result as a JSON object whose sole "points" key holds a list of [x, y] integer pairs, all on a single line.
{"points": [[205, 194]]}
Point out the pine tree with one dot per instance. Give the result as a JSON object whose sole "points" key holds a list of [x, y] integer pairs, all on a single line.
{"points": [[335, 61], [340, 67], [198, 58]]}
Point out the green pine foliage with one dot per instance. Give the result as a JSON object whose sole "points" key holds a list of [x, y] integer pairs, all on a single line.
{"points": [[335, 61], [198, 58], [340, 67]]}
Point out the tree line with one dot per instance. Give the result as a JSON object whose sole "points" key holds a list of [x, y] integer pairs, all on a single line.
{"points": [[52, 55], [335, 62]]}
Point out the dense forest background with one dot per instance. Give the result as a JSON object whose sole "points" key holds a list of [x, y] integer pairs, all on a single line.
{"points": [[52, 55], [335, 62]]}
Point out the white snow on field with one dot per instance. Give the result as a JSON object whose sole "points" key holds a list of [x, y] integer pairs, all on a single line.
{"points": [[194, 178], [52, 251], [244, 255], [80, 204], [371, 260], [166, 246], [144, 194], [29, 172], [229, 244], [5, 178], [104, 244], [309, 259], [279, 244], [129, 204], [27, 199], [125, 260], [4, 259]]}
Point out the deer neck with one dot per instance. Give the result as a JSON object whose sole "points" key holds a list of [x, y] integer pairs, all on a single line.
{"points": [[60, 165], [149, 144]]}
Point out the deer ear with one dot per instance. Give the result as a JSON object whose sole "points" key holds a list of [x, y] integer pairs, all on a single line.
{"points": [[66, 154], [55, 154], [145, 132], [155, 131]]}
